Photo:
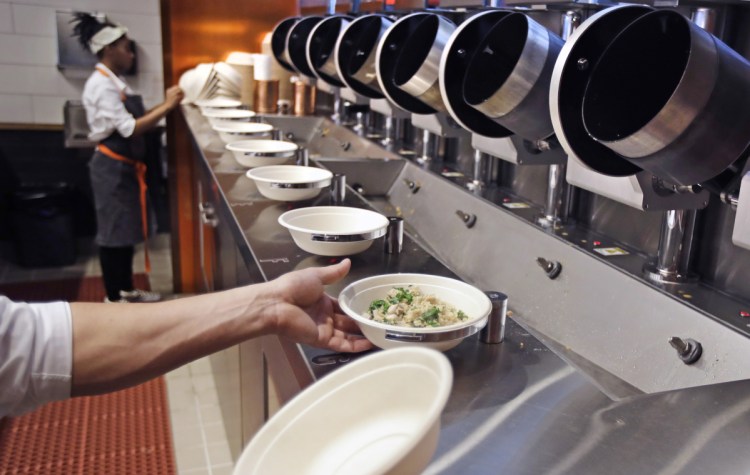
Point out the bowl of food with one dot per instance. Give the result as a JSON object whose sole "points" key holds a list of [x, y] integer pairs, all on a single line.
{"points": [[395, 310], [236, 131], [334, 230], [222, 116], [290, 182], [381, 415], [262, 152]]}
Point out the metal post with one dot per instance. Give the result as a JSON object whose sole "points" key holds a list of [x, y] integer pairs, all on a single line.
{"points": [[331, 7], [338, 107], [559, 203], [675, 248], [678, 225], [429, 146]]}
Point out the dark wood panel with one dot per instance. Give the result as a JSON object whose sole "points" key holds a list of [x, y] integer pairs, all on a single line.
{"points": [[197, 31]]}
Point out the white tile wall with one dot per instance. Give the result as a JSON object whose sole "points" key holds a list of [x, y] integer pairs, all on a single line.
{"points": [[48, 109], [32, 90], [6, 18], [16, 108], [34, 20]]}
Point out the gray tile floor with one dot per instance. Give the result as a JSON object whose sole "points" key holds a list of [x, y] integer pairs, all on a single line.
{"points": [[200, 441]]}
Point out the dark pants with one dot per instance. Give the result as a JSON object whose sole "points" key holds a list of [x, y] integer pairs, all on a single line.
{"points": [[117, 269]]}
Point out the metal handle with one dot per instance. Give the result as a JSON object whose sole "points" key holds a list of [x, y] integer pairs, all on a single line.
{"points": [[551, 268], [469, 219], [207, 214]]}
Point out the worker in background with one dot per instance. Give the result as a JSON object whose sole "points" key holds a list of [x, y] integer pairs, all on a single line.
{"points": [[118, 119]]}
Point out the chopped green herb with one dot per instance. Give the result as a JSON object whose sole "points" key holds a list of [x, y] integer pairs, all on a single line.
{"points": [[404, 295], [376, 304], [462, 315], [431, 317]]}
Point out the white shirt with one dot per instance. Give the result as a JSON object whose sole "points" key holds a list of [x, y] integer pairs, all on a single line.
{"points": [[36, 354], [105, 112]]}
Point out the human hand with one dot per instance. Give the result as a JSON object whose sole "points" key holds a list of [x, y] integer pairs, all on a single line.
{"points": [[304, 312], [173, 96]]}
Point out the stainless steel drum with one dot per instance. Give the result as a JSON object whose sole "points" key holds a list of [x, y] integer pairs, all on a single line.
{"points": [[453, 65], [671, 98], [356, 54], [570, 77], [278, 42], [408, 61], [321, 45], [418, 62], [508, 76], [296, 44]]}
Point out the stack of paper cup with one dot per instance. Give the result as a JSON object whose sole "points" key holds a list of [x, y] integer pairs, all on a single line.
{"points": [[286, 89], [267, 88], [243, 63]]}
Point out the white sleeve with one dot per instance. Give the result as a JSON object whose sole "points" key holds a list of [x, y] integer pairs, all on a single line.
{"points": [[36, 354], [105, 111]]}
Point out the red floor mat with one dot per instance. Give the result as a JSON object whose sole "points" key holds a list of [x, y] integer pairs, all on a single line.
{"points": [[126, 432]]}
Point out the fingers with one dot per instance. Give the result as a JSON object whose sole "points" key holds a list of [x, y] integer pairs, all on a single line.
{"points": [[331, 274], [346, 343]]}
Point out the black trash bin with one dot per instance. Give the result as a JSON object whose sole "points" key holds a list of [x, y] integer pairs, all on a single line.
{"points": [[41, 221]]}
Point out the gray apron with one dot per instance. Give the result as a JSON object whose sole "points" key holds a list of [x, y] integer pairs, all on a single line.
{"points": [[115, 186]]}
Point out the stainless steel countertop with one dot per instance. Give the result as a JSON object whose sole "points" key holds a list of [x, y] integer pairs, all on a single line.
{"points": [[516, 407]]}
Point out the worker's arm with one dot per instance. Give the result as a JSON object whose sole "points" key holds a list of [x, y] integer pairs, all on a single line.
{"points": [[115, 346], [173, 97]]}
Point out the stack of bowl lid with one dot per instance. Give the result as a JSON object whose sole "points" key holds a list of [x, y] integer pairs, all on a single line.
{"points": [[210, 80]]}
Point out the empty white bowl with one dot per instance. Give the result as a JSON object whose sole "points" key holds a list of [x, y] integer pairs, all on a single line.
{"points": [[218, 103], [334, 230], [290, 182], [379, 414], [235, 131], [262, 152], [356, 298], [222, 116]]}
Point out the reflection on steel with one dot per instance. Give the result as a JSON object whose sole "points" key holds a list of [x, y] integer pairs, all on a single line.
{"points": [[675, 248]]}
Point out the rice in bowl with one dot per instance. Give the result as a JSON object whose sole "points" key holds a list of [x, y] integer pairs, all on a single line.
{"points": [[410, 307]]}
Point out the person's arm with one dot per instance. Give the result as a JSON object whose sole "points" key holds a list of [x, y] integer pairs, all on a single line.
{"points": [[115, 346], [150, 119]]}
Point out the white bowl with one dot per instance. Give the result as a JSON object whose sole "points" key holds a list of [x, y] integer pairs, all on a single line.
{"points": [[218, 103], [379, 414], [356, 298], [334, 230], [222, 116], [262, 152], [235, 131], [290, 182]]}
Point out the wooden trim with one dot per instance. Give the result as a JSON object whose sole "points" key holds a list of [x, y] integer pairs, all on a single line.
{"points": [[199, 31], [20, 126]]}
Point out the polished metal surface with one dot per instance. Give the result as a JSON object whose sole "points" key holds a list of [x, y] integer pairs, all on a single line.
{"points": [[321, 46], [301, 186], [519, 407], [423, 83], [674, 86], [673, 262], [348, 237], [520, 100], [494, 331], [356, 53], [680, 110]]}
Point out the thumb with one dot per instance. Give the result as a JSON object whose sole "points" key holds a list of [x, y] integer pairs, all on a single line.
{"points": [[331, 274]]}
